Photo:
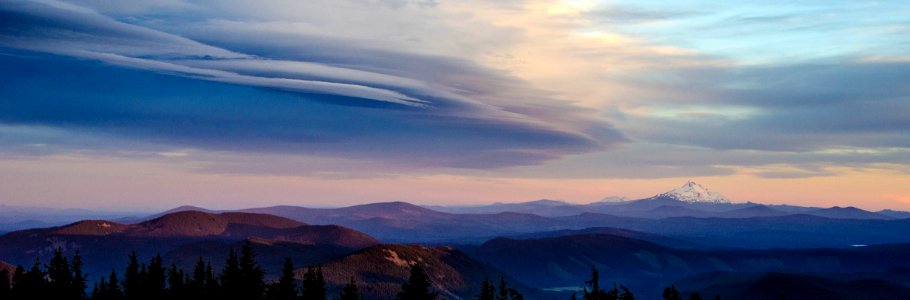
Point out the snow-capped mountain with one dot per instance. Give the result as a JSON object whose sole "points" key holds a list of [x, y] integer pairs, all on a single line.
{"points": [[694, 192]]}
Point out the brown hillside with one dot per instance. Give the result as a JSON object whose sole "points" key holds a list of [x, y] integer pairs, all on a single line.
{"points": [[91, 227], [380, 271], [197, 224]]}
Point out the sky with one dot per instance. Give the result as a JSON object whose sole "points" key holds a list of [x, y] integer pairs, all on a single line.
{"points": [[130, 105]]}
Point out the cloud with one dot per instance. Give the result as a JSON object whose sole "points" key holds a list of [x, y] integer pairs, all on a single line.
{"points": [[352, 101]]}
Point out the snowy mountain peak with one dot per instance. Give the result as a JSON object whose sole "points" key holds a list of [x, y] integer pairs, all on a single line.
{"points": [[694, 192]]}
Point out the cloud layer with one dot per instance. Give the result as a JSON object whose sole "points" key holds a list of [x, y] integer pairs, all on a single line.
{"points": [[74, 68]]}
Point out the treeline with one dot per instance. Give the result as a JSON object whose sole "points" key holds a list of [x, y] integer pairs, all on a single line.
{"points": [[241, 278]]}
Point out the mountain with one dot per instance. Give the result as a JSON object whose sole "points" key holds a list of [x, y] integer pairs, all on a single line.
{"points": [[402, 222], [544, 207], [694, 192], [106, 244], [564, 262], [895, 214], [777, 285], [789, 231], [757, 210], [380, 271], [849, 212]]}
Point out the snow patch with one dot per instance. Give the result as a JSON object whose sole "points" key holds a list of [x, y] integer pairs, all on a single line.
{"points": [[694, 192], [393, 257]]}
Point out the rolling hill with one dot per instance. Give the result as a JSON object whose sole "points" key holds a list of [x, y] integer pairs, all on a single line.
{"points": [[564, 262], [107, 244], [380, 271]]}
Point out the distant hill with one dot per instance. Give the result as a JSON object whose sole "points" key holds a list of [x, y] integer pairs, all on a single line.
{"points": [[792, 286], [564, 262], [848, 213], [380, 271], [107, 244]]}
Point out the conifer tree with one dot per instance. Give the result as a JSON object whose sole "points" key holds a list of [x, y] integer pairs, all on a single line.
{"points": [[5, 289], [487, 291], [78, 283], [132, 281], [35, 283], [626, 294], [115, 291], [418, 286], [230, 275], [211, 288], [177, 287], [155, 279], [350, 291], [252, 278], [286, 287], [18, 283], [716, 297], [670, 293], [59, 275], [313, 284], [195, 286], [507, 293], [695, 296]]}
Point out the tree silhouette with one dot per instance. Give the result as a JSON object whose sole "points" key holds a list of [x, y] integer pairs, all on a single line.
{"points": [[313, 284], [18, 282], [487, 291], [350, 291], [35, 284], [418, 286], [78, 283], [507, 293], [670, 293], [155, 279], [212, 288], [230, 275], [177, 286], [286, 286], [59, 276], [695, 296], [252, 283], [626, 294], [132, 278], [5, 290]]}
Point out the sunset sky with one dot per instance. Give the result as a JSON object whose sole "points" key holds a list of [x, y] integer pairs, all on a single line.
{"points": [[140, 105]]}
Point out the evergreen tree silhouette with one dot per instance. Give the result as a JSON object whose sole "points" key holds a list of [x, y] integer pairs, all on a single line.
{"points": [[313, 284], [79, 282], [286, 287], [212, 288], [670, 293], [155, 279], [132, 278], [507, 293], [59, 276], [418, 286], [18, 288], [252, 282], [196, 285], [487, 291], [177, 287], [350, 291], [596, 292], [115, 291], [230, 275], [716, 297], [109, 290], [5, 289], [626, 294], [695, 296], [35, 283]]}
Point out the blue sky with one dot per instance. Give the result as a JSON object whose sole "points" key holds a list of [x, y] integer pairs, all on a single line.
{"points": [[452, 102]]}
